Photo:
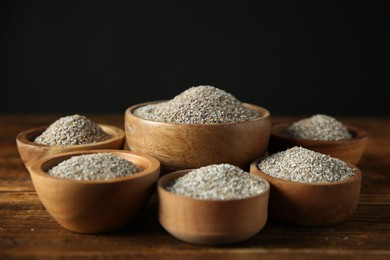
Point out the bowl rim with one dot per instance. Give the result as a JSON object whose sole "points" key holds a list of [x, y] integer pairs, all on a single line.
{"points": [[36, 167], [265, 113], [357, 176], [22, 137], [176, 174], [358, 134]]}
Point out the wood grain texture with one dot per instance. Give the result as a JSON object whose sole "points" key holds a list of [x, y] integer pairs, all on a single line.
{"points": [[189, 146], [28, 231], [95, 206], [349, 150], [210, 222], [312, 204], [30, 151]]}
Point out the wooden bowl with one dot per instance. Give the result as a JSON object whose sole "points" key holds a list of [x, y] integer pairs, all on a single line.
{"points": [[210, 222], [349, 150], [95, 206], [311, 204], [189, 146], [30, 151]]}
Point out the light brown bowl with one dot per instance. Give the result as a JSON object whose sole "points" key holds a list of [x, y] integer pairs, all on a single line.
{"points": [[95, 206], [311, 204], [349, 150], [189, 146], [210, 222], [30, 151]]}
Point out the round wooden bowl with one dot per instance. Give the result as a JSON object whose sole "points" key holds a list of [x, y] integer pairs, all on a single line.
{"points": [[210, 222], [189, 146], [30, 151], [349, 150], [95, 206], [311, 204]]}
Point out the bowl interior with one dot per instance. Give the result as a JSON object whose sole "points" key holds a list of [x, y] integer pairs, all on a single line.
{"points": [[278, 130], [264, 113], [29, 136], [349, 150], [146, 162], [30, 151], [255, 170], [165, 180]]}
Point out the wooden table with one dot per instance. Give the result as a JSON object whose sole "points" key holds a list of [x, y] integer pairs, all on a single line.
{"points": [[28, 231]]}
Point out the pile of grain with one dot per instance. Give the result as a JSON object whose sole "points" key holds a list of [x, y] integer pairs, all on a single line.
{"points": [[217, 182], [72, 130], [95, 166], [199, 105], [319, 127], [303, 165]]}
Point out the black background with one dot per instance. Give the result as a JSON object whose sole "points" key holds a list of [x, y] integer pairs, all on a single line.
{"points": [[291, 58]]}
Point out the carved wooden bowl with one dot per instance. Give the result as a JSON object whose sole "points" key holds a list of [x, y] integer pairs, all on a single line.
{"points": [[349, 150], [189, 146], [95, 206], [30, 151], [311, 204], [210, 222]]}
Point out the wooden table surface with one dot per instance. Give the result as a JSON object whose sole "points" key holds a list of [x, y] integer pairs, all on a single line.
{"points": [[28, 231]]}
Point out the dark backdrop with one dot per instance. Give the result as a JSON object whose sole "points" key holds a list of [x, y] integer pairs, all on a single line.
{"points": [[292, 58]]}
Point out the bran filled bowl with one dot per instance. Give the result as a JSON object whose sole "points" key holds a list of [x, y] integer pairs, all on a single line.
{"points": [[30, 150], [194, 140], [305, 195], [349, 149], [209, 220], [95, 205]]}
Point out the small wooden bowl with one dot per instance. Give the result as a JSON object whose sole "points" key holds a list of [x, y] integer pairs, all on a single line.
{"points": [[210, 222], [311, 204], [95, 206], [349, 150], [189, 146], [30, 151]]}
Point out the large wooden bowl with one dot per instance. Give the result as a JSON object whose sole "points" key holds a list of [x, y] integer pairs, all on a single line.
{"points": [[95, 206], [189, 146], [210, 222], [349, 150], [311, 204], [30, 151]]}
